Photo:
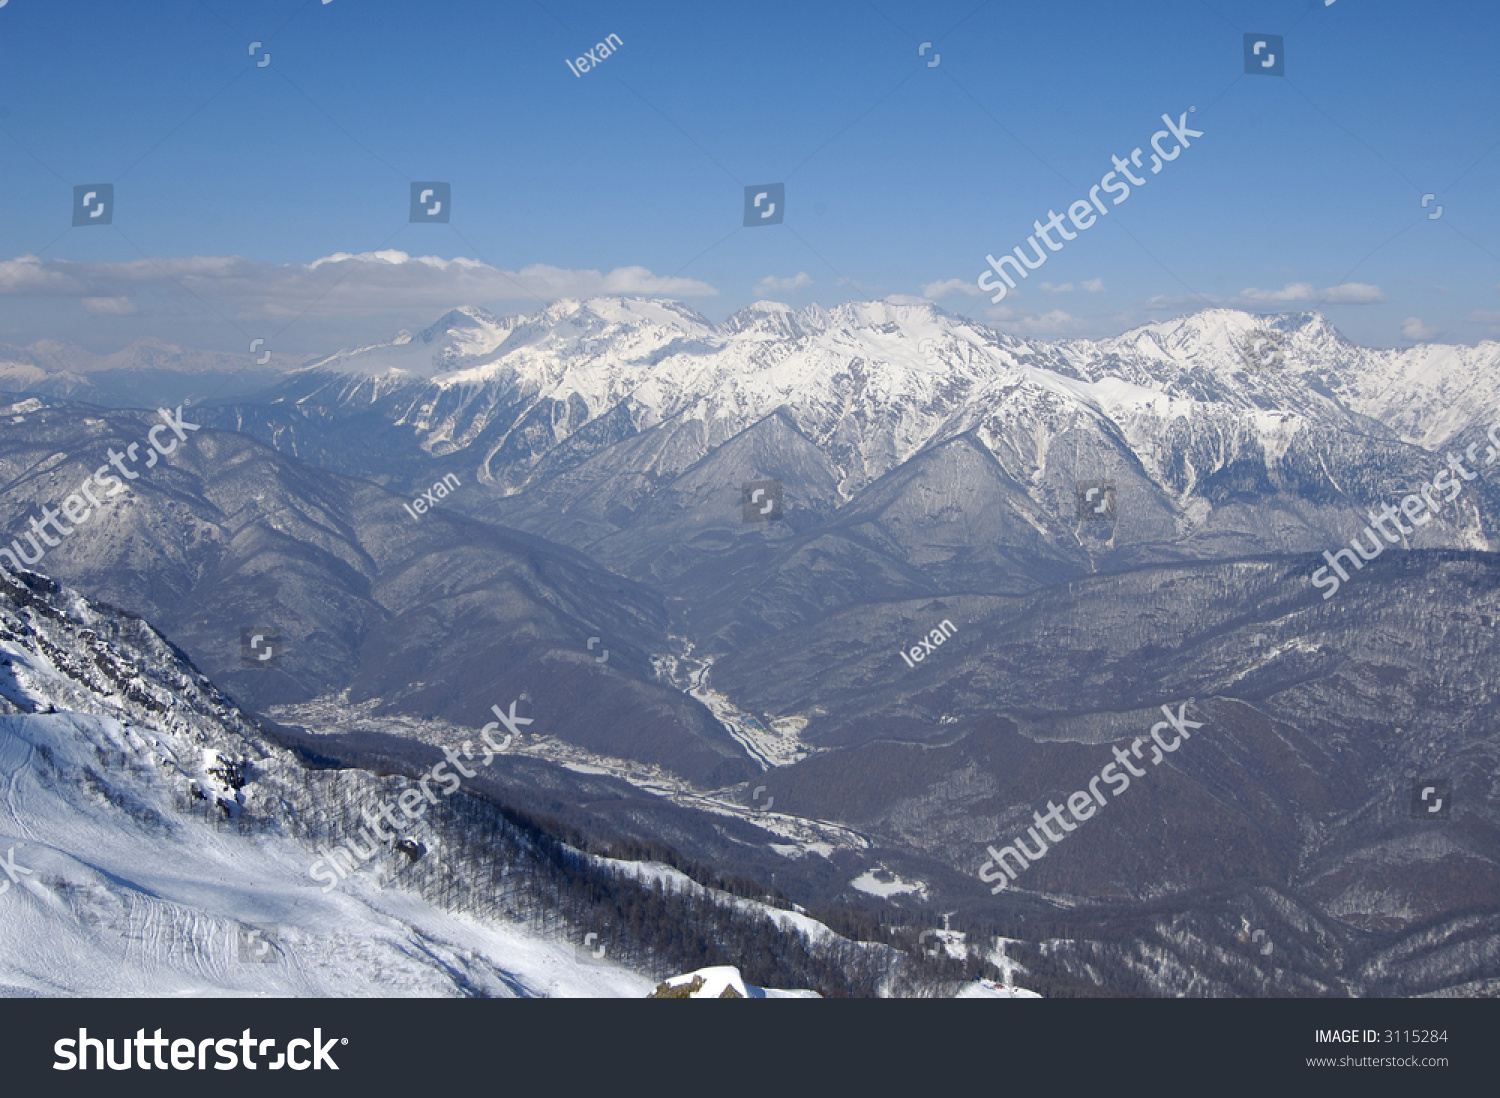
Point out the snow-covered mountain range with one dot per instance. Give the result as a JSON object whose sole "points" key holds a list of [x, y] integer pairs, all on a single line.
{"points": [[590, 410], [888, 378]]}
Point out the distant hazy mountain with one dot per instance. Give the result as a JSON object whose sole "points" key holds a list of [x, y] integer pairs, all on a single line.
{"points": [[144, 374]]}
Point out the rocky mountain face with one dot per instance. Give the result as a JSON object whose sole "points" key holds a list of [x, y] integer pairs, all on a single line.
{"points": [[744, 689], [425, 615]]}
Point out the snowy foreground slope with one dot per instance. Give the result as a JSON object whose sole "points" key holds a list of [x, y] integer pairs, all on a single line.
{"points": [[154, 842], [117, 892]]}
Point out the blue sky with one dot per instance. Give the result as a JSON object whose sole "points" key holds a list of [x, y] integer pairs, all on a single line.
{"points": [[900, 175]]}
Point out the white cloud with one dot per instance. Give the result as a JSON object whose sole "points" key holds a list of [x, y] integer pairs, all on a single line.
{"points": [[1055, 323], [1353, 293], [1291, 292], [1065, 288], [952, 287], [559, 282], [1163, 301], [773, 285], [1486, 316], [1093, 285], [1414, 329], [1350, 293], [370, 284], [109, 306]]}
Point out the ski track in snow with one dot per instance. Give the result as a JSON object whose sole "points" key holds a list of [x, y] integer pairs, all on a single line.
{"points": [[118, 908]]}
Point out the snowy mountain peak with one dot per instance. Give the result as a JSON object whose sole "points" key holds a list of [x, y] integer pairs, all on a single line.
{"points": [[771, 321], [598, 313], [468, 318]]}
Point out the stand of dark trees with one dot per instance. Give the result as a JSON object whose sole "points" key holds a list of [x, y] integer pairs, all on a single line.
{"points": [[493, 861]]}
